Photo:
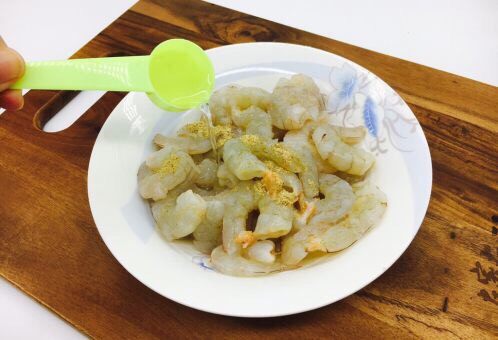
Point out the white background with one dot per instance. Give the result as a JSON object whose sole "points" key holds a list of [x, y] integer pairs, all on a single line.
{"points": [[457, 36]]}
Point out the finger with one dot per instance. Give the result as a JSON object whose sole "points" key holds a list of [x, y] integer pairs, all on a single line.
{"points": [[11, 100], [11, 66]]}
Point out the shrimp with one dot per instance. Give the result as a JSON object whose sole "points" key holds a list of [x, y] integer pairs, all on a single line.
{"points": [[349, 135], [301, 140], [277, 179], [255, 121], [309, 176], [198, 158], [192, 138], [225, 177], [230, 103], [274, 198], [294, 248], [306, 210], [207, 235], [177, 218], [193, 146], [262, 251], [342, 156], [238, 203], [367, 210], [295, 101], [339, 199], [275, 220], [290, 183], [162, 171], [237, 265], [240, 161], [277, 152], [208, 169]]}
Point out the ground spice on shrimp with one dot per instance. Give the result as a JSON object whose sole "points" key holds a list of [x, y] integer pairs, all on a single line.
{"points": [[251, 141], [277, 152], [284, 156], [198, 129], [312, 184], [272, 185], [169, 166], [222, 133], [259, 189]]}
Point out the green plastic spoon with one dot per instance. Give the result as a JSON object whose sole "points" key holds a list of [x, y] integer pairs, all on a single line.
{"points": [[177, 76]]}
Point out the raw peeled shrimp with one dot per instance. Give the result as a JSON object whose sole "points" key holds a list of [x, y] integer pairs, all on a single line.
{"points": [[306, 210], [342, 156], [239, 201], [278, 179], [255, 121], [294, 248], [231, 101], [193, 138], [240, 161], [275, 195], [207, 235], [237, 265], [339, 199], [275, 220], [193, 146], [162, 171], [177, 218], [262, 251], [225, 177], [298, 142], [368, 208], [208, 169], [295, 101], [302, 138], [349, 135], [276, 152]]}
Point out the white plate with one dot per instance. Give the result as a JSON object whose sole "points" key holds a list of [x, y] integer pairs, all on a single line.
{"points": [[177, 271]]}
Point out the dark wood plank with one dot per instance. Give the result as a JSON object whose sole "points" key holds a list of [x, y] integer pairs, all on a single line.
{"points": [[442, 287]]}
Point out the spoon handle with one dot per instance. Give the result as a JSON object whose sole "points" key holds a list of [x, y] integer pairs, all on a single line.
{"points": [[110, 74]]}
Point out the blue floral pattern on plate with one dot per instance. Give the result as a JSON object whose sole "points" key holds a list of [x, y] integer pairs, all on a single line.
{"points": [[203, 261], [370, 117], [356, 95]]}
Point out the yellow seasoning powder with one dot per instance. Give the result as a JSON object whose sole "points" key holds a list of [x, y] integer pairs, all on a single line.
{"points": [[285, 157], [251, 141], [273, 185], [222, 133], [169, 166], [198, 129]]}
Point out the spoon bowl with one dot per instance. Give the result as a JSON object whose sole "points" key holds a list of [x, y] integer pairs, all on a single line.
{"points": [[181, 75]]}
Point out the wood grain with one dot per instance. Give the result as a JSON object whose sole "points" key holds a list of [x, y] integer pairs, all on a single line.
{"points": [[444, 286]]}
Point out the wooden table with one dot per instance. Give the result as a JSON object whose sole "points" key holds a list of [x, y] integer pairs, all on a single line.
{"points": [[444, 286]]}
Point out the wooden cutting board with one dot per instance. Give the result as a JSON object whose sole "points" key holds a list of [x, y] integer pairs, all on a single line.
{"points": [[444, 286]]}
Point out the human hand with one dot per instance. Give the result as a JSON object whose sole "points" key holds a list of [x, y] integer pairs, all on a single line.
{"points": [[11, 69]]}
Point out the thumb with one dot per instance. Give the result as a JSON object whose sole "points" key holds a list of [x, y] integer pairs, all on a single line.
{"points": [[11, 66]]}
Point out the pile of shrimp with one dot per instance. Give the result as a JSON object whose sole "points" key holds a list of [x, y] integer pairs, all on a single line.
{"points": [[263, 182]]}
